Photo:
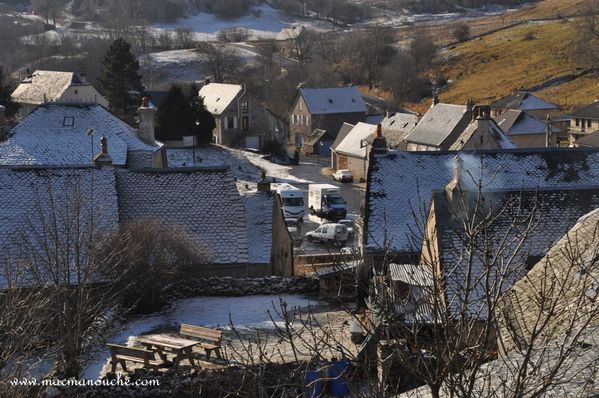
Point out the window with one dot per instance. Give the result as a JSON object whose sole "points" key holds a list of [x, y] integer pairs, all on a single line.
{"points": [[245, 123], [577, 122], [230, 122], [589, 123], [244, 107], [300, 105], [76, 92], [68, 121]]}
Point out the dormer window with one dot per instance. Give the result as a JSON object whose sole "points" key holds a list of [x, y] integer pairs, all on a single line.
{"points": [[244, 107], [68, 121]]}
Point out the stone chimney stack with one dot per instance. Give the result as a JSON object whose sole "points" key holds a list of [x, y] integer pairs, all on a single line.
{"points": [[548, 132], [263, 185], [483, 118], [147, 114], [456, 185], [103, 159], [435, 96]]}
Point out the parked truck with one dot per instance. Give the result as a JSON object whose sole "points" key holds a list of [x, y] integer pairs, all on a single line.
{"points": [[292, 200], [325, 201]]}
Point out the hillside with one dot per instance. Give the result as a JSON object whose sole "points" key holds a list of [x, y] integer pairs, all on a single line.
{"points": [[533, 55]]}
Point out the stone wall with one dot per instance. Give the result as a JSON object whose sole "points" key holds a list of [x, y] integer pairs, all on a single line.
{"points": [[227, 286]]}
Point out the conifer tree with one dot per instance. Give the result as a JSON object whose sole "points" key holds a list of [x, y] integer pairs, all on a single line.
{"points": [[173, 118], [120, 80], [5, 100], [203, 119]]}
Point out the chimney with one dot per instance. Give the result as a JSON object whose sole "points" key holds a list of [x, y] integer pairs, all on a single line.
{"points": [[456, 185], [206, 82], [147, 115], [548, 132], [263, 185], [103, 159], [435, 96], [379, 144], [482, 121]]}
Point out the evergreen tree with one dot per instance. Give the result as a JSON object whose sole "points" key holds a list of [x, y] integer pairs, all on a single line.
{"points": [[174, 116], [5, 100], [120, 80], [204, 122]]}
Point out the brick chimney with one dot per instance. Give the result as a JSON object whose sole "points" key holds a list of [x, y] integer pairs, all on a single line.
{"points": [[379, 144], [103, 159], [147, 114], [456, 185]]}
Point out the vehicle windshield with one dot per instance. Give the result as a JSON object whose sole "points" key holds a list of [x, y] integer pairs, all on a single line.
{"points": [[293, 201], [335, 200]]}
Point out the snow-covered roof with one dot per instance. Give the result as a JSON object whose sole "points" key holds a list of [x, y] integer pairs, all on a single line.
{"points": [[516, 122], [290, 33], [343, 132], [35, 198], [204, 202], [321, 101], [56, 135], [350, 145], [218, 96], [402, 182], [44, 86], [524, 101], [258, 218], [396, 128], [438, 123]]}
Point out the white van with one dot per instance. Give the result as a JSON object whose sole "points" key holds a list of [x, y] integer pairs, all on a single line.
{"points": [[335, 234], [292, 200]]}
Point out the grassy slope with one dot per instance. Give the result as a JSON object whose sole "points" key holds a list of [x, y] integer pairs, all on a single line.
{"points": [[499, 63]]}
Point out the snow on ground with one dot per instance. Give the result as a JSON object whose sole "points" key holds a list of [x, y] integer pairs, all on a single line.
{"points": [[173, 65], [245, 166], [249, 312], [263, 21]]}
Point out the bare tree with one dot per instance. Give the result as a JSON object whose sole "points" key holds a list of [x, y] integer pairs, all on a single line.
{"points": [[223, 62]]}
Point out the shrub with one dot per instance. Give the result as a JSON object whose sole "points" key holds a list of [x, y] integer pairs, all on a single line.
{"points": [[461, 32]]}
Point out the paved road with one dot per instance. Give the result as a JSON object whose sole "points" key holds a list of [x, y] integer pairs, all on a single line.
{"points": [[310, 169]]}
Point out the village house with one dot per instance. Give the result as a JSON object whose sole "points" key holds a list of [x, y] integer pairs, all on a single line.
{"points": [[325, 109], [44, 87], [241, 120], [584, 122], [292, 41], [400, 186], [526, 131], [57, 134], [454, 127], [352, 152], [525, 101], [231, 234]]}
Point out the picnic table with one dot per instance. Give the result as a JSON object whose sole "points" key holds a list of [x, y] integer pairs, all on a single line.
{"points": [[182, 348]]}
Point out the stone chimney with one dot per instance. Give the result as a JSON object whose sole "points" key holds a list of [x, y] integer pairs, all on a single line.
{"points": [[379, 144], [263, 185], [435, 96], [103, 159], [483, 119], [548, 132], [456, 185], [147, 114]]}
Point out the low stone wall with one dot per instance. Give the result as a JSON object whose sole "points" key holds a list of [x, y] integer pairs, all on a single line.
{"points": [[227, 286]]}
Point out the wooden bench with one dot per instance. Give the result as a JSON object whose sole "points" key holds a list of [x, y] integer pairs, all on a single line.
{"points": [[121, 354], [211, 338]]}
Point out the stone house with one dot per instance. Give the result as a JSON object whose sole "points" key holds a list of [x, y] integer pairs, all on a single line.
{"points": [[325, 109], [50, 86], [525, 101], [584, 121], [241, 120], [352, 152], [527, 131], [57, 134]]}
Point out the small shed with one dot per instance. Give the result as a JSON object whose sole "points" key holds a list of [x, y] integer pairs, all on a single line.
{"points": [[318, 143]]}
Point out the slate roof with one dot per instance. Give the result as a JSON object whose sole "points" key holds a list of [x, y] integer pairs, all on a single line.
{"points": [[396, 128], [28, 196], [401, 183], [44, 86], [218, 96], [516, 122], [502, 140], [322, 101], [56, 135], [590, 111], [522, 100], [204, 202], [313, 138], [258, 219], [439, 123], [343, 132], [588, 140], [548, 212], [350, 145]]}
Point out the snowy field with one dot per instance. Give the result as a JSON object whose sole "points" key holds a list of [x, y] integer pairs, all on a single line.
{"points": [[249, 312], [263, 21], [245, 166]]}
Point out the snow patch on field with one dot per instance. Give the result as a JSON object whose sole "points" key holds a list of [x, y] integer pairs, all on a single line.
{"points": [[249, 312]]}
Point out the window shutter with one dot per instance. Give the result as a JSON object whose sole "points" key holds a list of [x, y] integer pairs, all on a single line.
{"points": [[234, 122]]}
